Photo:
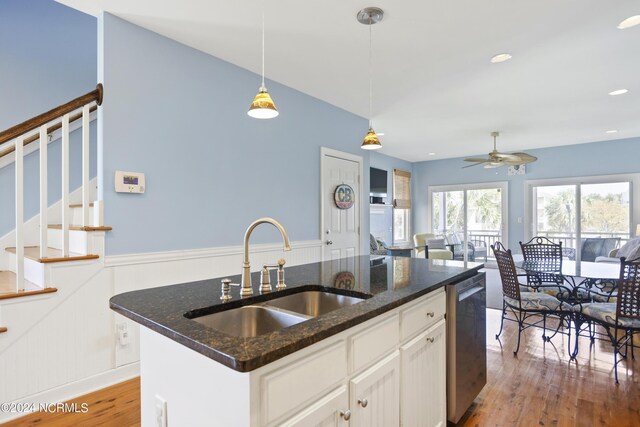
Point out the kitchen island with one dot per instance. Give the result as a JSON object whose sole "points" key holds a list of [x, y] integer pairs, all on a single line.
{"points": [[366, 363]]}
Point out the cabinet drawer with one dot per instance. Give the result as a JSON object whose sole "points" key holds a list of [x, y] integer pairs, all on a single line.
{"points": [[374, 342], [285, 389], [423, 314]]}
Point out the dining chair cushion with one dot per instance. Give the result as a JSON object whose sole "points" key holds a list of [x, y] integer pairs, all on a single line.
{"points": [[538, 301], [605, 312]]}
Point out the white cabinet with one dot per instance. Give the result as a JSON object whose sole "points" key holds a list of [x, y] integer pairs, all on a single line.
{"points": [[387, 371], [424, 368], [374, 395], [330, 411]]}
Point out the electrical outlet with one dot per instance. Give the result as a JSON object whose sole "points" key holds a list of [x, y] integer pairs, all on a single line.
{"points": [[161, 411], [123, 334]]}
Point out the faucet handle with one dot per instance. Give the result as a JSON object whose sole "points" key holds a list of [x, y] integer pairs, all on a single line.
{"points": [[226, 289], [265, 280]]}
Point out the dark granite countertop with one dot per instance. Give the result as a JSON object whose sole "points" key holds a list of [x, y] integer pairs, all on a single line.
{"points": [[389, 281]]}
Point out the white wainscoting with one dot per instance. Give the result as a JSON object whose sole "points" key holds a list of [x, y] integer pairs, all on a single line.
{"points": [[60, 340]]}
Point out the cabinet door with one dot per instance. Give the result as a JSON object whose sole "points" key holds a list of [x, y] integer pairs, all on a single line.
{"points": [[326, 412], [374, 395], [424, 387]]}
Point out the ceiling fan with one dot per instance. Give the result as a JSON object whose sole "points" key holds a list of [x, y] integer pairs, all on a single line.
{"points": [[497, 159]]}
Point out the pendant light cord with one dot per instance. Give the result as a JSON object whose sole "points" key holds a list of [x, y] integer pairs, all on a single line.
{"points": [[263, 87], [370, 74]]}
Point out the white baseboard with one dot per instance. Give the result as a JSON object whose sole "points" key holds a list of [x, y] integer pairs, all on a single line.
{"points": [[77, 388]]}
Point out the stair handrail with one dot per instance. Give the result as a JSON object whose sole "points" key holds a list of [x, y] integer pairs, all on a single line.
{"points": [[50, 130], [55, 113]]}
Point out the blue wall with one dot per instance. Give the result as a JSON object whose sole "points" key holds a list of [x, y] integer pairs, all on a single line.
{"points": [[48, 57], [599, 158], [179, 116]]}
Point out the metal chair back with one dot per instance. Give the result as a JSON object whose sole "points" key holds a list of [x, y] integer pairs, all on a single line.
{"points": [[508, 273], [547, 257], [628, 304]]}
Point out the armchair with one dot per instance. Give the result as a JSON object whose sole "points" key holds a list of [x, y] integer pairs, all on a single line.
{"points": [[436, 247]]}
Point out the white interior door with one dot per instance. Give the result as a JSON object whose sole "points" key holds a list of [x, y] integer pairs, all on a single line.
{"points": [[341, 227]]}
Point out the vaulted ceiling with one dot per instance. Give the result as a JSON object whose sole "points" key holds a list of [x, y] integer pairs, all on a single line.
{"points": [[435, 89]]}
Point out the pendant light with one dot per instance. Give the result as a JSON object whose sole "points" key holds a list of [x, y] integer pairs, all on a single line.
{"points": [[369, 16], [262, 106]]}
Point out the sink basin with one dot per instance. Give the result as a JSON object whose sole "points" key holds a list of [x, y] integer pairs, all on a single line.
{"points": [[313, 303], [278, 313], [249, 321]]}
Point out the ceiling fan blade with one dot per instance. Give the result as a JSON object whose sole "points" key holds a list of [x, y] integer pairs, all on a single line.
{"points": [[475, 164], [477, 159], [493, 165], [506, 156], [523, 159]]}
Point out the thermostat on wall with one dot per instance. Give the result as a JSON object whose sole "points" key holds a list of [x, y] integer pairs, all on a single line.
{"points": [[129, 182]]}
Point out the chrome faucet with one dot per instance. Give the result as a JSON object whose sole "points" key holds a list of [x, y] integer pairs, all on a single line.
{"points": [[247, 290]]}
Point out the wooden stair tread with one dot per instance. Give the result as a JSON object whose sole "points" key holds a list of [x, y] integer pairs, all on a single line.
{"points": [[54, 255], [8, 287], [81, 228], [79, 205]]}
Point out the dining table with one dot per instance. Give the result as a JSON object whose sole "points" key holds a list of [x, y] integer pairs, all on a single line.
{"points": [[578, 281]]}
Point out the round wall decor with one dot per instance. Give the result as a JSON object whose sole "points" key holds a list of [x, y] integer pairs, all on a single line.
{"points": [[344, 196]]}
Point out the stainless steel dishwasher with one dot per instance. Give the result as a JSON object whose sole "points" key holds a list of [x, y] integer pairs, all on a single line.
{"points": [[466, 344]]}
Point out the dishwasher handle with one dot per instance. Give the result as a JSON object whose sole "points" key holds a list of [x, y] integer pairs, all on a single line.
{"points": [[468, 293]]}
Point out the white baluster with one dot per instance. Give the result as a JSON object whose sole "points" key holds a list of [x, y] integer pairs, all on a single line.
{"points": [[19, 212], [44, 203], [65, 185], [85, 166]]}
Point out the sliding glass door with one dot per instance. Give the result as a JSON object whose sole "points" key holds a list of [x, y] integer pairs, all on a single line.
{"points": [[474, 214], [589, 218]]}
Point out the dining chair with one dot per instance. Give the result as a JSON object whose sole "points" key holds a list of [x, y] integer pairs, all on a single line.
{"points": [[523, 304], [620, 319], [547, 256]]}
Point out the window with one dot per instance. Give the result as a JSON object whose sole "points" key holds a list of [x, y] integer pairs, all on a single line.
{"points": [[475, 213], [401, 206], [576, 209]]}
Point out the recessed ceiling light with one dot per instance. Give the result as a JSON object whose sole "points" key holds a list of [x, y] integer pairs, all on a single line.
{"points": [[629, 22], [618, 92], [612, 131], [432, 154], [500, 58]]}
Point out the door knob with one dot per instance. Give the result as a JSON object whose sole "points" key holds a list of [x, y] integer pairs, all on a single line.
{"points": [[431, 339], [363, 402], [329, 242], [345, 414]]}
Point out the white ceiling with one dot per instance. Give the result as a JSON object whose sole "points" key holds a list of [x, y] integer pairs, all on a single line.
{"points": [[434, 87]]}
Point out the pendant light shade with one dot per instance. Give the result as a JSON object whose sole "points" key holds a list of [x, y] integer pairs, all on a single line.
{"points": [[369, 16], [371, 141], [262, 106]]}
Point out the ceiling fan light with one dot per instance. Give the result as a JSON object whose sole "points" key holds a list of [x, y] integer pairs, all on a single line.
{"points": [[262, 106], [371, 141]]}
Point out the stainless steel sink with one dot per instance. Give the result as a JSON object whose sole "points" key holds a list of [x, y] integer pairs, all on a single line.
{"points": [[313, 303], [276, 314], [249, 321]]}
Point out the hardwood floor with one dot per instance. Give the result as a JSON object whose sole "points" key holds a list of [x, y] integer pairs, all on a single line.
{"points": [[540, 387], [118, 405]]}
